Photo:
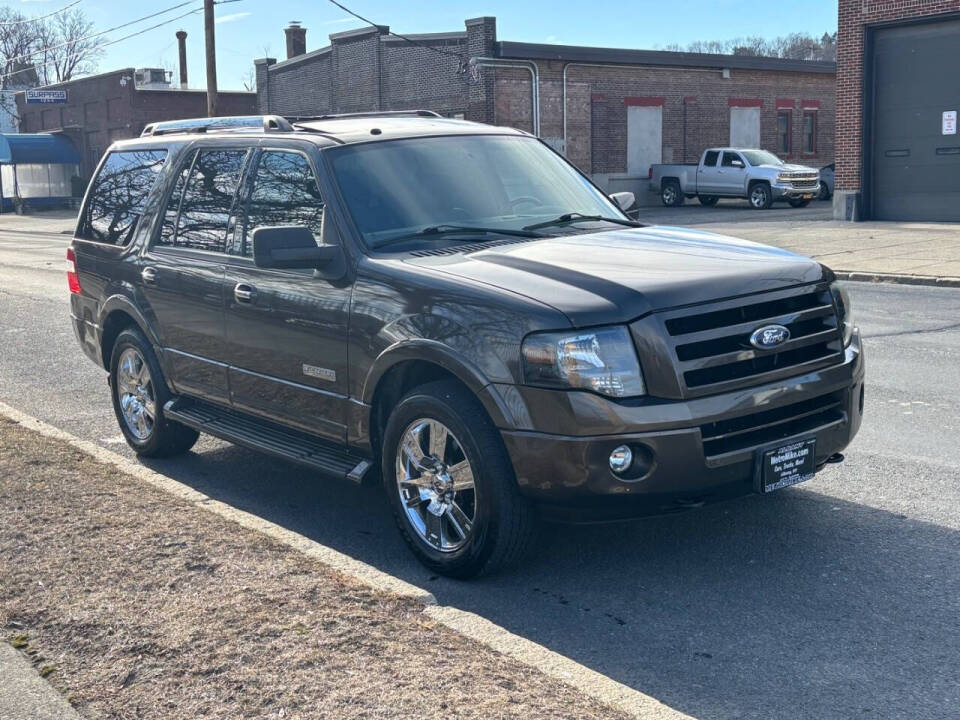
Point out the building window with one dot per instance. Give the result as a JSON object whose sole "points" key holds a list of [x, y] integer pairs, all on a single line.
{"points": [[810, 131], [783, 132]]}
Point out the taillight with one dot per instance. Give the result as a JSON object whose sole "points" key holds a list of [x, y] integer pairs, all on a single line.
{"points": [[72, 279]]}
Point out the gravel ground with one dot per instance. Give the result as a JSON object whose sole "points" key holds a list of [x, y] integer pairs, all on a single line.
{"points": [[136, 605]]}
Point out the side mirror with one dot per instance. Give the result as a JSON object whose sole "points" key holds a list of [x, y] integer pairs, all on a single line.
{"points": [[292, 247], [624, 200]]}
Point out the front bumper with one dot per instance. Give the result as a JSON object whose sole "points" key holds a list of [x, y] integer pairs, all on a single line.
{"points": [[567, 472], [786, 191]]}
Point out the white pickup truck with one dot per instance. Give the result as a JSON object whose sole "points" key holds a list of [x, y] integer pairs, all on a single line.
{"points": [[757, 175]]}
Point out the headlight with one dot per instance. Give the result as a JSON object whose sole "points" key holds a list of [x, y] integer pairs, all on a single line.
{"points": [[844, 311], [602, 360]]}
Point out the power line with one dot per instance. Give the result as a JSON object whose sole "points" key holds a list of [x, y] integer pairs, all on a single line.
{"points": [[42, 17], [402, 37], [127, 37], [102, 32]]}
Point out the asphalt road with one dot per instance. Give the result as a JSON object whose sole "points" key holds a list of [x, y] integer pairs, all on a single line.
{"points": [[836, 599]]}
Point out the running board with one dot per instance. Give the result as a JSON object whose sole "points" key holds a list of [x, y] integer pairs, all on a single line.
{"points": [[257, 434]]}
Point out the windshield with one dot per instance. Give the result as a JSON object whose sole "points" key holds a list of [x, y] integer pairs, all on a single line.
{"points": [[761, 157], [398, 188]]}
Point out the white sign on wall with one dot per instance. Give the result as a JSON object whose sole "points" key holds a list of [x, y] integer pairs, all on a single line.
{"points": [[949, 122]]}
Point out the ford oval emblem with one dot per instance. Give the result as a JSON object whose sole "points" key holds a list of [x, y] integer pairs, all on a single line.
{"points": [[769, 336]]}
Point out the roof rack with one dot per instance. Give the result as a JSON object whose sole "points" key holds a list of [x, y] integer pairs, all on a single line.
{"points": [[264, 123], [372, 114]]}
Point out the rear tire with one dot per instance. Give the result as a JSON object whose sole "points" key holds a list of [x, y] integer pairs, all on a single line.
{"points": [[482, 526], [760, 197], [824, 193], [708, 200], [139, 393], [799, 203], [670, 194]]}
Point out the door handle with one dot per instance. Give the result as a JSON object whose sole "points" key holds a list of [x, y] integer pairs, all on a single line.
{"points": [[244, 293], [149, 275]]}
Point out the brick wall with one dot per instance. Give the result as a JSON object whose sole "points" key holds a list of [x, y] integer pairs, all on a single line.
{"points": [[854, 16], [368, 69]]}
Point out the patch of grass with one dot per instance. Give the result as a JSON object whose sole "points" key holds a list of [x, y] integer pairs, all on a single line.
{"points": [[20, 641], [46, 670]]}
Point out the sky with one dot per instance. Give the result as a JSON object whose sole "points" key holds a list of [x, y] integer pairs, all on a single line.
{"points": [[248, 29]]}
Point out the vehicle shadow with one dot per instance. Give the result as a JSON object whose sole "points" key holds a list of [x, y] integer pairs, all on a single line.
{"points": [[693, 213], [795, 605]]}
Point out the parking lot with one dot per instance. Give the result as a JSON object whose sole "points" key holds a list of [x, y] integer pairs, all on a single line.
{"points": [[834, 599]]}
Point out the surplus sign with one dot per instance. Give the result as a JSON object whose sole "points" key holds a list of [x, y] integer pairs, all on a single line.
{"points": [[43, 97]]}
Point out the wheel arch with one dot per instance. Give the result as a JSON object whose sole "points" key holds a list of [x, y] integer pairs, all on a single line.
{"points": [[116, 314], [411, 363]]}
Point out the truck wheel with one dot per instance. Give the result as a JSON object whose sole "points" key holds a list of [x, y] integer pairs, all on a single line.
{"points": [[450, 483], [139, 393], [708, 200], [670, 193], [799, 203], [761, 198], [824, 192]]}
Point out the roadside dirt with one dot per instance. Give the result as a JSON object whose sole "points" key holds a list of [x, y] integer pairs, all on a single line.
{"points": [[137, 605]]}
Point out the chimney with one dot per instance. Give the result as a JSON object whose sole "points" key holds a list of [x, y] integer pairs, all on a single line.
{"points": [[182, 42], [296, 39]]}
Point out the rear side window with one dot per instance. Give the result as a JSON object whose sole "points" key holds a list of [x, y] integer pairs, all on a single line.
{"points": [[119, 194], [285, 192], [710, 159], [201, 204]]}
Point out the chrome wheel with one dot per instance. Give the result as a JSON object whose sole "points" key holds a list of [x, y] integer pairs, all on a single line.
{"points": [[135, 391], [758, 197], [669, 195], [436, 485]]}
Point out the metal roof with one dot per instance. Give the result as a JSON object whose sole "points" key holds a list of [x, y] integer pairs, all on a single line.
{"points": [[583, 54], [37, 149]]}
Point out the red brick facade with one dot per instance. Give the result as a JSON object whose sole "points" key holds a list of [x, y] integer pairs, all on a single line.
{"points": [[854, 17]]}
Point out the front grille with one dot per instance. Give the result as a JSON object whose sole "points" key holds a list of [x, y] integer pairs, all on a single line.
{"points": [[769, 426], [712, 343], [804, 184]]}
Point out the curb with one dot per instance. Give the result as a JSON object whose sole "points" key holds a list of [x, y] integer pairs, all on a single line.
{"points": [[898, 278], [552, 664]]}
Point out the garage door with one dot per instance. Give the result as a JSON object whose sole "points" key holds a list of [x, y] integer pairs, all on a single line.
{"points": [[916, 150], [644, 138]]}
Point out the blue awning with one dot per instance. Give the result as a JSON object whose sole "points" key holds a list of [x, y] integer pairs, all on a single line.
{"points": [[37, 149]]}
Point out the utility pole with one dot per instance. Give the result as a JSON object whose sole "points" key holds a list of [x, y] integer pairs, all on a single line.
{"points": [[211, 58]]}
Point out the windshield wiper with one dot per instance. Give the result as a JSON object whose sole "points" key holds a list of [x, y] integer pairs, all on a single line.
{"points": [[572, 217], [442, 230]]}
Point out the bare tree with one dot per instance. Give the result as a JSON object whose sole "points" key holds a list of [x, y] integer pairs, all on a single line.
{"points": [[66, 48], [795, 46], [250, 80]]}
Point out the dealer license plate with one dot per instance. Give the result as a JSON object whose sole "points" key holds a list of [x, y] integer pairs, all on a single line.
{"points": [[788, 465], [808, 196]]}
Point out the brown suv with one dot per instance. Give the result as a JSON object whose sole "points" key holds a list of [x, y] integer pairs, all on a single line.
{"points": [[455, 309]]}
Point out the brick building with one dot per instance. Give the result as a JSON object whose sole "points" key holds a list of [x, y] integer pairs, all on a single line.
{"points": [[898, 93], [612, 112], [117, 105]]}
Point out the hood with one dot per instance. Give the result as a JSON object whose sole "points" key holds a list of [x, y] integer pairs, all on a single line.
{"points": [[619, 275], [790, 168]]}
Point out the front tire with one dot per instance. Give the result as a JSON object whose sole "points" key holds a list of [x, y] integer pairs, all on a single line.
{"points": [[139, 393], [824, 192], [761, 197], [451, 485]]}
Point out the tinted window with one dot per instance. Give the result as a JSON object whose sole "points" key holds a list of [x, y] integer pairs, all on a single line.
{"points": [[119, 194], [207, 201], [710, 159], [729, 157], [285, 192], [168, 226], [809, 132]]}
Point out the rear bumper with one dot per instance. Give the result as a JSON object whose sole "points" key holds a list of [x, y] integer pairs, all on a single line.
{"points": [[569, 474]]}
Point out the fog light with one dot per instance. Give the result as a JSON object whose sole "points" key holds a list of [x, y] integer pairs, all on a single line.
{"points": [[620, 459]]}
